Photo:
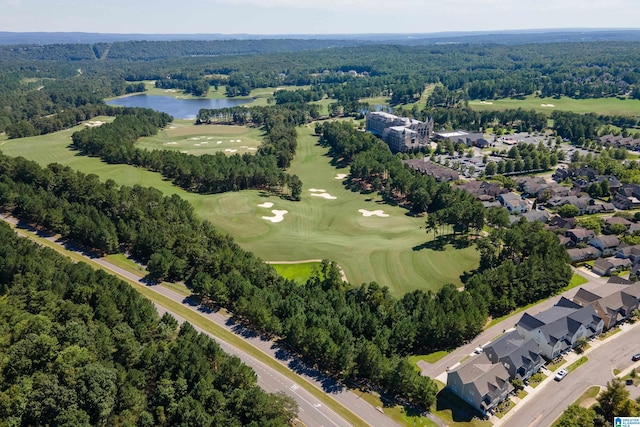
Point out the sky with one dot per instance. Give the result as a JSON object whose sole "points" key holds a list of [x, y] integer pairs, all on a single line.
{"points": [[312, 16]]}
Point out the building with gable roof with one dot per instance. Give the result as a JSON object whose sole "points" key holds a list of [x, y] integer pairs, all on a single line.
{"points": [[480, 383]]}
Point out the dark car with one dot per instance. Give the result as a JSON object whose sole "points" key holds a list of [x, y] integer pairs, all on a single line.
{"points": [[636, 357]]}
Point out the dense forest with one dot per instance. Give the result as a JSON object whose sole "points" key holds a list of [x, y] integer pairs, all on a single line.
{"points": [[81, 347]]}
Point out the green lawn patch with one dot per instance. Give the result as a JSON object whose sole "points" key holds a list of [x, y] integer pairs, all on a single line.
{"points": [[297, 272], [591, 393], [627, 107], [398, 413], [609, 333], [502, 409], [536, 379], [125, 263], [575, 365], [576, 280], [456, 411], [184, 136], [429, 358], [522, 394], [553, 366]]}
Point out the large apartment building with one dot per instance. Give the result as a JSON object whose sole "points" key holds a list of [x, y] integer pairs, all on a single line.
{"points": [[400, 133]]}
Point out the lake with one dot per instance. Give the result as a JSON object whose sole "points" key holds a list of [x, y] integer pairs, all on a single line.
{"points": [[178, 108]]}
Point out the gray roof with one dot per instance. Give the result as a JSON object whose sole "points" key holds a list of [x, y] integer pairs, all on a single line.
{"points": [[563, 308], [584, 297], [485, 375], [610, 241], [529, 322], [506, 344]]}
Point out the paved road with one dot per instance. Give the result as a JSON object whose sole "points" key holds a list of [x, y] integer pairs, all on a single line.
{"points": [[312, 412], [555, 396]]}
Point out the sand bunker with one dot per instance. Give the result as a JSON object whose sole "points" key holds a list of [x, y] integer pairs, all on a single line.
{"points": [[341, 176], [184, 152], [317, 190], [94, 124], [232, 140], [238, 140], [486, 102], [218, 142], [204, 142], [172, 143], [547, 105], [324, 195], [209, 137], [196, 145], [266, 205], [173, 127], [278, 215], [229, 150], [378, 212], [252, 149]]}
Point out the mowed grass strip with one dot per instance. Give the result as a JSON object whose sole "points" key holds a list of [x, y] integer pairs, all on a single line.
{"points": [[393, 251], [299, 272], [206, 325], [626, 107]]}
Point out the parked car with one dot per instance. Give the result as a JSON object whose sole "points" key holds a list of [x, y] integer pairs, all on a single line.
{"points": [[478, 350], [636, 357], [561, 374]]}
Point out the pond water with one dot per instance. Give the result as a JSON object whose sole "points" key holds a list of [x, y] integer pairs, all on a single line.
{"points": [[178, 108]]}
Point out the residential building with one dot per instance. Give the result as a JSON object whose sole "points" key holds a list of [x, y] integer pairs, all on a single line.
{"points": [[514, 203], [607, 244], [628, 197], [583, 254], [480, 383], [608, 266], [580, 235], [558, 329], [520, 357]]}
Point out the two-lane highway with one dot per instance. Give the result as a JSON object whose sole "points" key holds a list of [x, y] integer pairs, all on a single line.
{"points": [[313, 412]]}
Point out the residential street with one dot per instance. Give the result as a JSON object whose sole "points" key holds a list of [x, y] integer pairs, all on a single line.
{"points": [[555, 397], [312, 412]]}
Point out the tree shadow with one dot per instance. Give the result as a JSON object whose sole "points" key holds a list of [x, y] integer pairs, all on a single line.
{"points": [[461, 412], [441, 242], [301, 367]]}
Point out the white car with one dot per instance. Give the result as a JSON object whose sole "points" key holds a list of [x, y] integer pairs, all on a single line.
{"points": [[561, 374]]}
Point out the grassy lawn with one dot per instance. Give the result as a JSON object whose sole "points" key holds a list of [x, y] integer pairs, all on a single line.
{"points": [[184, 136], [598, 105], [394, 251], [221, 93], [576, 280], [429, 358], [324, 105], [398, 413], [575, 365], [536, 379], [456, 412], [554, 366], [298, 272], [376, 100], [609, 333]]}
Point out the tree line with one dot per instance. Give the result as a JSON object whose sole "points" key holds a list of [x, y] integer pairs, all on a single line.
{"points": [[82, 348], [115, 143]]}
